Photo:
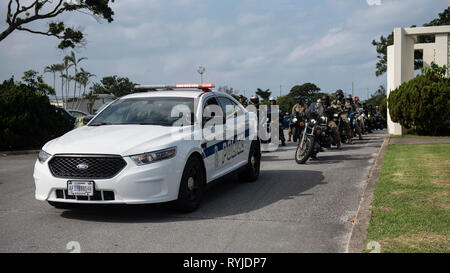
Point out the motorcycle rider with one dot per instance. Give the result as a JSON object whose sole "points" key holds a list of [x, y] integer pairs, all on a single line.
{"points": [[243, 101], [357, 102], [333, 126], [273, 101], [299, 107], [339, 105]]}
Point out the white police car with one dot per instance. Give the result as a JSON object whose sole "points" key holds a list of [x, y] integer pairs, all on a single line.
{"points": [[150, 147]]}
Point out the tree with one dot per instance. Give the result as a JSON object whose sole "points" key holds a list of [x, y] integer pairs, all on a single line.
{"points": [[83, 77], [27, 119], [35, 82], [384, 42], [21, 16], [264, 94], [423, 103], [286, 103], [54, 68], [304, 90], [226, 89], [91, 97], [117, 86], [72, 59]]}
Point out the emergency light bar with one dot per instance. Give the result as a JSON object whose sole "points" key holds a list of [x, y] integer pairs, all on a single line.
{"points": [[204, 87]]}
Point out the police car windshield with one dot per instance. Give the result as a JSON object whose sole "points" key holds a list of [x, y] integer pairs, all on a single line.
{"points": [[147, 111]]}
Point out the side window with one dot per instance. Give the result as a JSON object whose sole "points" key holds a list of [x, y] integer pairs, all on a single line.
{"points": [[230, 108], [212, 109]]}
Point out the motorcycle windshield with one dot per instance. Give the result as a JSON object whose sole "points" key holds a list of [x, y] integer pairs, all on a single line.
{"points": [[315, 110]]}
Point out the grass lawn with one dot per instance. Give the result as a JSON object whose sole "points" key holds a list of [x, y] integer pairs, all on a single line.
{"points": [[415, 136], [411, 206]]}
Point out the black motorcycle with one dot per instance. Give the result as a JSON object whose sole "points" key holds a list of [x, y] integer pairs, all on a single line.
{"points": [[316, 134], [296, 124]]}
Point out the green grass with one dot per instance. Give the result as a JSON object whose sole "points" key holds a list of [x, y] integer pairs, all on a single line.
{"points": [[415, 136], [411, 206]]}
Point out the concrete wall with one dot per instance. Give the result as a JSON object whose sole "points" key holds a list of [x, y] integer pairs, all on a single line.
{"points": [[400, 58]]}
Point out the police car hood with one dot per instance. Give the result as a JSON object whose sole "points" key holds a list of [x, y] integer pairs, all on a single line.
{"points": [[112, 139]]}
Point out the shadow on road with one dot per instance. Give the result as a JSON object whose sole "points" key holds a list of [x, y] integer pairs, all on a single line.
{"points": [[226, 197]]}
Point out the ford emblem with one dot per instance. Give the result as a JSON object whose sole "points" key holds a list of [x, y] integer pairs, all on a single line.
{"points": [[82, 166]]}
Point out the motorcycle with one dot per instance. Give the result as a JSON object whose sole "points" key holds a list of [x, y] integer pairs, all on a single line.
{"points": [[356, 124], [296, 124], [315, 135]]}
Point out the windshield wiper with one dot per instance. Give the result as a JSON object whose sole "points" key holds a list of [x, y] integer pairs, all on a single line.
{"points": [[101, 123]]}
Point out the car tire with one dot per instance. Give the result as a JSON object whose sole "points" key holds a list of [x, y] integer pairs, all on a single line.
{"points": [[192, 186], [251, 170]]}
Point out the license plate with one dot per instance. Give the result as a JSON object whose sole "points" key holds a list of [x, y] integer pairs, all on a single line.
{"points": [[80, 188]]}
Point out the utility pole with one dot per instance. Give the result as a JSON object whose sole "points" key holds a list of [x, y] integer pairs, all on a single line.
{"points": [[201, 71], [280, 90], [353, 93]]}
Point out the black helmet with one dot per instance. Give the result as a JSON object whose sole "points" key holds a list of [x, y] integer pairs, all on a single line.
{"points": [[299, 99], [340, 93], [349, 97], [254, 99], [326, 99]]}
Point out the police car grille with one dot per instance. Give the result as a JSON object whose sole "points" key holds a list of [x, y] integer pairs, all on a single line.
{"points": [[98, 167]]}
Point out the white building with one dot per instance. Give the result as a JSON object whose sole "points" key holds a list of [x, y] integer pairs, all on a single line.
{"points": [[400, 58]]}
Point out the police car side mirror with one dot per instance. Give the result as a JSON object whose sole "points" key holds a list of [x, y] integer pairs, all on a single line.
{"points": [[86, 119], [206, 119]]}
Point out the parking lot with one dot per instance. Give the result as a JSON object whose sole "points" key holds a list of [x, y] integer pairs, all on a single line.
{"points": [[291, 208]]}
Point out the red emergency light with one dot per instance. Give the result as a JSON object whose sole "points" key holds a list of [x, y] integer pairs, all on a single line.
{"points": [[204, 87]]}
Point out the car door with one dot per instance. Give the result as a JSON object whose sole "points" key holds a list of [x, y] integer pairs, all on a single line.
{"points": [[233, 154], [212, 145]]}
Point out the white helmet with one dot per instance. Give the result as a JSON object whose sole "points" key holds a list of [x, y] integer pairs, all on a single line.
{"points": [[272, 98]]}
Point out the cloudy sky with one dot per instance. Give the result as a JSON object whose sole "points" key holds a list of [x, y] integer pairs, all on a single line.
{"points": [[244, 44]]}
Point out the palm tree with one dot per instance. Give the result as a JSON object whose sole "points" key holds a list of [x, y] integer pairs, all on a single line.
{"points": [[84, 77], [53, 69], [74, 61], [66, 65]]}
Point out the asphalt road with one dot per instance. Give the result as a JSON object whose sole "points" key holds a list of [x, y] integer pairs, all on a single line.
{"points": [[291, 208]]}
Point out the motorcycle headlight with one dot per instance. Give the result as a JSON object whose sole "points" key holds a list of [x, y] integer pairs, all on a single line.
{"points": [[335, 115], [313, 121], [147, 158], [43, 156], [294, 120]]}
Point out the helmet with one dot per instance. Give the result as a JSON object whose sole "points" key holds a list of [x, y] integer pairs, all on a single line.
{"points": [[339, 94], [299, 99], [349, 97], [326, 99], [254, 99], [272, 98], [356, 99]]}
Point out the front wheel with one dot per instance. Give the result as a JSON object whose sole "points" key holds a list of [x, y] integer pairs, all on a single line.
{"points": [[304, 150], [251, 171], [192, 186], [295, 133]]}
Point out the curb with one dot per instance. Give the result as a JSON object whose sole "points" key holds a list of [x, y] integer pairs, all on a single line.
{"points": [[358, 234], [23, 152]]}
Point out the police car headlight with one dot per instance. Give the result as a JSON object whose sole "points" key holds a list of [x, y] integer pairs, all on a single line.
{"points": [[147, 158], [43, 156]]}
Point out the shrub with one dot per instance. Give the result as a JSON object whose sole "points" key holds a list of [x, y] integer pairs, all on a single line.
{"points": [[423, 103], [383, 108], [27, 119]]}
